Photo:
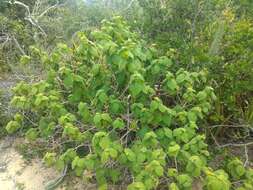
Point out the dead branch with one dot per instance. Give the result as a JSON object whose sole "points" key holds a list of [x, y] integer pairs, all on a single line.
{"points": [[31, 17], [236, 144], [18, 45], [246, 156], [48, 9]]}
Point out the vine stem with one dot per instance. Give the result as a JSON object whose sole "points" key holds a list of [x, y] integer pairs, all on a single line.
{"points": [[54, 183], [175, 160]]}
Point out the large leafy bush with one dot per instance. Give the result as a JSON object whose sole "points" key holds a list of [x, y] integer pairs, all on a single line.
{"points": [[112, 110]]}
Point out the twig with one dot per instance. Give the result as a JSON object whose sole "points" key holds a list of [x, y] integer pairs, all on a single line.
{"points": [[128, 110], [124, 91], [81, 145], [129, 5], [56, 5], [246, 156], [232, 126], [48, 9], [216, 142], [175, 160], [121, 139]]}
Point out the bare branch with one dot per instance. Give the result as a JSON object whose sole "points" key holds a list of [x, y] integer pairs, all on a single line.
{"points": [[48, 9], [236, 145], [231, 126], [21, 4], [129, 5], [18, 45], [246, 156], [29, 16]]}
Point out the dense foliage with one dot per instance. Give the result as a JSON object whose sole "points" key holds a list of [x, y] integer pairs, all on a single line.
{"points": [[153, 103], [111, 109], [215, 35]]}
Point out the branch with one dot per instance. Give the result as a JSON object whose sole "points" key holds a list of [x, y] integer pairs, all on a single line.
{"points": [[232, 126], [29, 16], [230, 144], [48, 9], [236, 145], [246, 156], [129, 5], [36, 25], [18, 45], [21, 4]]}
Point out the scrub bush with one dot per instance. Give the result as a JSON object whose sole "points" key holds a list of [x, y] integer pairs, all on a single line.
{"points": [[115, 112]]}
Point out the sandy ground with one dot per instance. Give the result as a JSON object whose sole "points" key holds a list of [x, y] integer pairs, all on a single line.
{"points": [[16, 174]]}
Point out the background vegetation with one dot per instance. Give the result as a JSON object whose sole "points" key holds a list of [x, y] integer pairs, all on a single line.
{"points": [[147, 98]]}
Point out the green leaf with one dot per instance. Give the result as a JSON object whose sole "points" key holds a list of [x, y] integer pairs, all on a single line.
{"points": [[49, 158], [192, 117], [68, 80], [240, 170], [154, 105], [106, 117], [217, 180], [202, 96], [12, 127], [102, 96], [180, 78], [97, 119], [168, 133], [235, 168], [118, 124], [102, 120], [136, 88], [113, 153], [25, 59], [194, 166], [105, 156], [136, 186], [115, 175], [130, 154], [59, 164], [159, 171], [31, 134], [172, 172], [83, 110], [173, 150], [173, 186], [116, 106], [184, 181], [105, 142], [69, 155], [78, 164]]}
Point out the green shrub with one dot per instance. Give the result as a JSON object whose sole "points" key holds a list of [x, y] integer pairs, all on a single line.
{"points": [[232, 71], [109, 106]]}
